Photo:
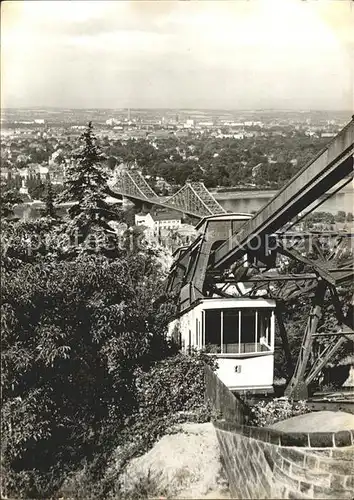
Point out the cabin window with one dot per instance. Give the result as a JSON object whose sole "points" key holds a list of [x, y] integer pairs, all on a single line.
{"points": [[248, 330], [176, 336], [237, 330], [214, 247], [213, 330], [231, 329], [237, 224], [264, 323]]}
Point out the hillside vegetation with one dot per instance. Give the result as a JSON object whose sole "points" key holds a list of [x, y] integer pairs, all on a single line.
{"points": [[85, 363], [89, 381]]}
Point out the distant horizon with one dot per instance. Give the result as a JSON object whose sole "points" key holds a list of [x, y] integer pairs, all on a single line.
{"points": [[157, 108]]}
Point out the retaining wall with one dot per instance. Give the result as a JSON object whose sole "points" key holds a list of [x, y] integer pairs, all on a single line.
{"points": [[228, 404], [264, 463]]}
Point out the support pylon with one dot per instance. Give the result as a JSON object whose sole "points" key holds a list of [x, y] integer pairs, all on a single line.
{"points": [[297, 387]]}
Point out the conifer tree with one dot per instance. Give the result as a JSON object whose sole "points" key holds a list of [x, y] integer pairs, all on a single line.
{"points": [[86, 186], [49, 210]]}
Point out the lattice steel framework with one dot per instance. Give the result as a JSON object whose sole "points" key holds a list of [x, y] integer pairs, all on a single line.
{"points": [[138, 181], [132, 184], [192, 199], [249, 256]]}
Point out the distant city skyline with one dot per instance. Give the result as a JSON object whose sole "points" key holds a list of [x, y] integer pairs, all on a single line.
{"points": [[213, 55]]}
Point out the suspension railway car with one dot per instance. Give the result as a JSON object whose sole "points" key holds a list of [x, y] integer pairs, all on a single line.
{"points": [[239, 331]]}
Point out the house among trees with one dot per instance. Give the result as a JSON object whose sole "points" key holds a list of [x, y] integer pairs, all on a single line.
{"points": [[170, 220]]}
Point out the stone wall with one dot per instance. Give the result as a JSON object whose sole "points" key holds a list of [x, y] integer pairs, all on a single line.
{"points": [[264, 463], [228, 404]]}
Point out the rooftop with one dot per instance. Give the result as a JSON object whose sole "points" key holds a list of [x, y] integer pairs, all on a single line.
{"points": [[171, 215]]}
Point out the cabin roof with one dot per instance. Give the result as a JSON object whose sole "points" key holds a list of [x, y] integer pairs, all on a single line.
{"points": [[224, 303], [231, 216]]}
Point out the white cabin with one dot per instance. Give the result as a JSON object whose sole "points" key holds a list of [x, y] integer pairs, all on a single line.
{"points": [[239, 332]]}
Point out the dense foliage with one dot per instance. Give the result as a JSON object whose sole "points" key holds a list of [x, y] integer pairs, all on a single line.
{"points": [[8, 198], [171, 392], [72, 335], [265, 160], [326, 220], [79, 334], [75, 328], [266, 413], [173, 386]]}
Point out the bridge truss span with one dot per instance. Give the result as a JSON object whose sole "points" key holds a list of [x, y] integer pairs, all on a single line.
{"points": [[141, 185], [195, 197], [192, 199]]}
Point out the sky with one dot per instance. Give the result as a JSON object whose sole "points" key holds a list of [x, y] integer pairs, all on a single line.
{"points": [[235, 54]]}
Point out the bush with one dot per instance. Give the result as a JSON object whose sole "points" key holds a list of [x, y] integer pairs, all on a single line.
{"points": [[264, 414], [173, 385], [170, 393], [73, 334]]}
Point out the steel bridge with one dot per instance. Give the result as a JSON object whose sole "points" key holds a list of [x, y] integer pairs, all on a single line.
{"points": [[192, 199], [220, 256]]}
